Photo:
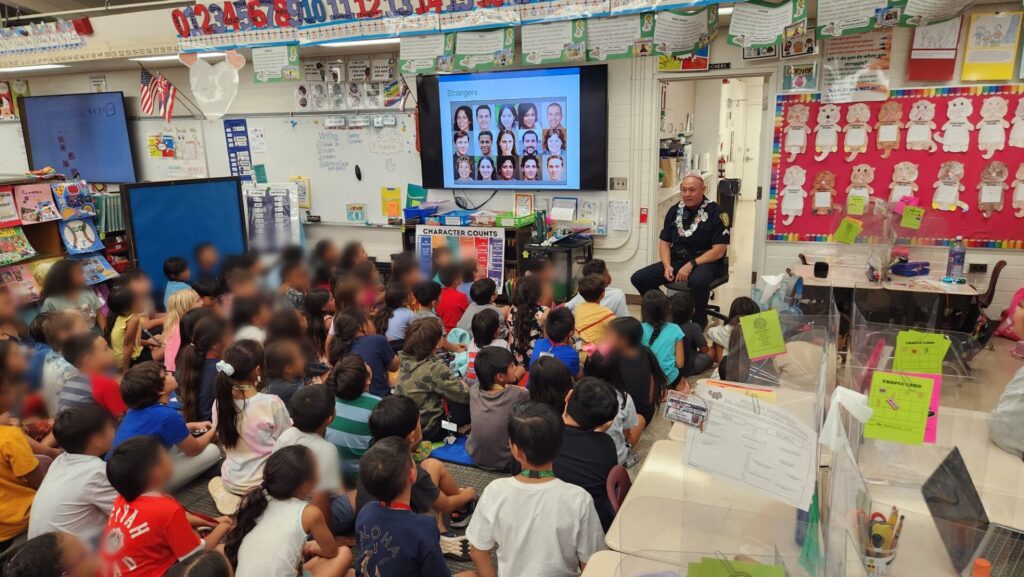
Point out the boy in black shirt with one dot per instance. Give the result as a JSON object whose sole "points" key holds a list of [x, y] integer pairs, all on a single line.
{"points": [[588, 453], [694, 344]]}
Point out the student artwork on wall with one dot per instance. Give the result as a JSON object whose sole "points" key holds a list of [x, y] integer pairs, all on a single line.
{"points": [[80, 236], [957, 153], [74, 199]]}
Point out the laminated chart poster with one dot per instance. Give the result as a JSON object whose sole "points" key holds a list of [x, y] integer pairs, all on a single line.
{"points": [[485, 245], [620, 37], [485, 50], [857, 67]]}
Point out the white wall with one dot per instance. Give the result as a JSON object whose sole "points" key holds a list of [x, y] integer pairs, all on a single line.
{"points": [[680, 101]]}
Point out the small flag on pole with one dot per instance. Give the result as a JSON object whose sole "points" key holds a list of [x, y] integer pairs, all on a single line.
{"points": [[167, 95], [147, 85]]}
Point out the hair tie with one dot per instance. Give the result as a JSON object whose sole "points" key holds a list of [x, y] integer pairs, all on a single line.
{"points": [[225, 367]]}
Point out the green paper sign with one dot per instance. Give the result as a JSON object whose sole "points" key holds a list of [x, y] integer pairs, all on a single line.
{"points": [[272, 64], [484, 50], [680, 32], [900, 404], [762, 334], [426, 53], [848, 231], [620, 37], [711, 567], [552, 42], [919, 352], [760, 24], [912, 217], [855, 205]]}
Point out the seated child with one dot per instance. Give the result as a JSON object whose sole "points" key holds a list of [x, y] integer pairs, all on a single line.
{"points": [[588, 453], [393, 540], [440, 257], [627, 426], [637, 367], [197, 367], [125, 317], [250, 317], [349, 432], [550, 382], [285, 371], [426, 293], [719, 335], [354, 333], [64, 289], [614, 299], [694, 345], [208, 290], [352, 254], [435, 490], [54, 370], [90, 385], [207, 260], [76, 497], [662, 336], [428, 381], [451, 303], [178, 275], [312, 411], [558, 330], [490, 406], [526, 318], [148, 531], [482, 295], [540, 524], [368, 278], [471, 272], [52, 554], [394, 319], [484, 330], [272, 524], [146, 388], [295, 283], [202, 564], [591, 316], [177, 306]]}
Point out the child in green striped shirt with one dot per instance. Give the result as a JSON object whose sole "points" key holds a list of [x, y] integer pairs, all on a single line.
{"points": [[350, 430]]}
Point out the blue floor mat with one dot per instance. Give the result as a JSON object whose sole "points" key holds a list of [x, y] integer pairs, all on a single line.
{"points": [[454, 453]]}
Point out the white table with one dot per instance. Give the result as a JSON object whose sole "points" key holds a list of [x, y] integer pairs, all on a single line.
{"points": [[798, 402], [854, 276], [615, 564]]}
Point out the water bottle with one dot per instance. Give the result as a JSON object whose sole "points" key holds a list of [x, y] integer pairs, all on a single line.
{"points": [[955, 261]]}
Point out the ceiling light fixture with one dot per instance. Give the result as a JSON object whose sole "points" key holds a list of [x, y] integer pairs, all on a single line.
{"points": [[174, 57], [361, 43], [31, 68]]}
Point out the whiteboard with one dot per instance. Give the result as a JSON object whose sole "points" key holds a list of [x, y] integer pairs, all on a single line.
{"points": [[304, 146]]}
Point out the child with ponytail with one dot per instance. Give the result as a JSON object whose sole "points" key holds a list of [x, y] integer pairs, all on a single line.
{"points": [[662, 336], [269, 536], [248, 422], [396, 316], [177, 305], [197, 367]]}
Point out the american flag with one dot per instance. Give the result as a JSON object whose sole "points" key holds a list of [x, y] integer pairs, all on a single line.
{"points": [[147, 89], [166, 94]]}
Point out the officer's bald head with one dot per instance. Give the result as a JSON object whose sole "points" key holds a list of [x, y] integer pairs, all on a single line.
{"points": [[691, 191]]}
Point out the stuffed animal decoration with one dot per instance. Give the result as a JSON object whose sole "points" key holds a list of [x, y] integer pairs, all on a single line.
{"points": [[796, 130], [1017, 132], [956, 132], [861, 178], [903, 185], [992, 186], [827, 131], [824, 191], [993, 125], [858, 118], [948, 187], [1018, 193], [793, 194], [887, 129], [920, 126]]}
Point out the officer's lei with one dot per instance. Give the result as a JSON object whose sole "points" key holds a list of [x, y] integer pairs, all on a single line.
{"points": [[702, 216]]}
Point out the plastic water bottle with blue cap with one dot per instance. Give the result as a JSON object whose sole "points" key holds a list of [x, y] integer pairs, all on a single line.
{"points": [[955, 261]]}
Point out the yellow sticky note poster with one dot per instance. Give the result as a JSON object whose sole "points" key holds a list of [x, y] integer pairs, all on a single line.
{"points": [[912, 217], [855, 205], [900, 404], [919, 352], [762, 333], [848, 230], [390, 202]]}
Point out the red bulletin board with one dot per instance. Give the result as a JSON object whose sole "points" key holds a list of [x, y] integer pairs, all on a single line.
{"points": [[1004, 229]]}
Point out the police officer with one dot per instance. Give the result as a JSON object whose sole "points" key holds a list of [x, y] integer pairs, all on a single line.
{"points": [[693, 244]]}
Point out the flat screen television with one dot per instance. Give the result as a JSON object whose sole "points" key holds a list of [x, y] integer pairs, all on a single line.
{"points": [[525, 129], [79, 135]]}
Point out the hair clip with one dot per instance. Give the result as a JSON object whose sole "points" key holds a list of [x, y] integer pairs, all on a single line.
{"points": [[225, 367]]}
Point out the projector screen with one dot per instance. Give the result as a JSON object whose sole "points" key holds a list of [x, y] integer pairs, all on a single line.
{"points": [[531, 129]]}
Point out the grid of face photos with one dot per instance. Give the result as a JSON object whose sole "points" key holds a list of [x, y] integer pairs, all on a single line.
{"points": [[509, 140]]}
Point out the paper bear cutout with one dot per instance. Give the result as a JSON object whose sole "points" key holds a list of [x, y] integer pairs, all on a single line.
{"points": [[1017, 132], [1018, 192], [920, 126], [858, 118], [948, 187], [793, 194], [824, 191], [993, 125], [956, 132], [887, 129], [796, 130], [827, 131], [991, 187], [214, 86], [903, 188], [861, 177]]}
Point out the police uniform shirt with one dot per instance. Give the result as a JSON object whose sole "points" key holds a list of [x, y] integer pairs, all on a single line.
{"points": [[714, 230]]}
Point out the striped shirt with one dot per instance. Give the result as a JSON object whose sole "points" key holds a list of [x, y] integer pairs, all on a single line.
{"points": [[350, 430], [77, 392]]}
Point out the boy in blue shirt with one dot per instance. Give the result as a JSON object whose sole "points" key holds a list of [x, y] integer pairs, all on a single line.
{"points": [[558, 330], [177, 273]]}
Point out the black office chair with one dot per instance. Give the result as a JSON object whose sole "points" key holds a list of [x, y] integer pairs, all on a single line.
{"points": [[713, 310]]}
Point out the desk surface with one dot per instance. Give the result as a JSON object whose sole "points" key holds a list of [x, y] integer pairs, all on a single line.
{"points": [[615, 564], [851, 276]]}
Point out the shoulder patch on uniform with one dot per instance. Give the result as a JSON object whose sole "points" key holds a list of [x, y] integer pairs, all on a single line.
{"points": [[724, 218]]}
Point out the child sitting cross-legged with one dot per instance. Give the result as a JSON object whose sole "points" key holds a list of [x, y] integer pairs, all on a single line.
{"points": [[539, 524], [557, 341], [53, 554], [285, 370], [274, 519], [350, 429], [451, 303], [591, 316], [148, 531], [178, 276], [485, 329], [694, 344], [426, 379], [490, 406], [312, 410], [483, 293], [90, 385]]}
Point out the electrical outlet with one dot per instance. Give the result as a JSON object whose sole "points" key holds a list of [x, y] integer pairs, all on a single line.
{"points": [[617, 183], [977, 267]]}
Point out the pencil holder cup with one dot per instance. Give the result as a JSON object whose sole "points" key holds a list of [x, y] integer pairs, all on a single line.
{"points": [[879, 562]]}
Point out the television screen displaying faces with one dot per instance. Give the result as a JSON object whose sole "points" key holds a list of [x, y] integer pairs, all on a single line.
{"points": [[515, 130]]}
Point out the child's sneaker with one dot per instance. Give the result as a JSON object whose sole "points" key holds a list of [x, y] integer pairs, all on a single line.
{"points": [[1017, 352], [460, 518], [454, 547]]}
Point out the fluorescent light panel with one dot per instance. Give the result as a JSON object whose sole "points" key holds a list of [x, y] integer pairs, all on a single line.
{"points": [[360, 43], [31, 68], [170, 57]]}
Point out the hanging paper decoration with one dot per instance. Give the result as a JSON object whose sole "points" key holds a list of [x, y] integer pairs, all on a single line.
{"points": [[948, 187], [993, 125], [796, 130], [956, 132], [420, 54], [887, 129], [861, 177], [214, 86], [921, 125], [1018, 192], [903, 188], [826, 139], [991, 187], [680, 31], [80, 236], [74, 199], [793, 194], [824, 192], [858, 125], [758, 23]]}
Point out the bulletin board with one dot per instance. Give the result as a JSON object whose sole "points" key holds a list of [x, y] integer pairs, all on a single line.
{"points": [[1003, 229]]}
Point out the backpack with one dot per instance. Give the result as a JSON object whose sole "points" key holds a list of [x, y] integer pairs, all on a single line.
{"points": [[1005, 329]]}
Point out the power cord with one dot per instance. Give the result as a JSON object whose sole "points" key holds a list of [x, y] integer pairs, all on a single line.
{"points": [[464, 203]]}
